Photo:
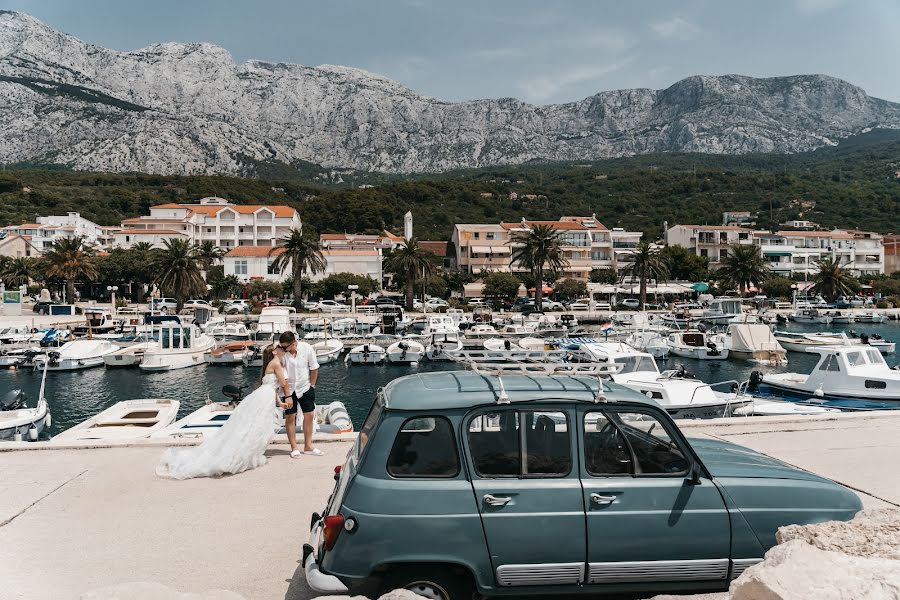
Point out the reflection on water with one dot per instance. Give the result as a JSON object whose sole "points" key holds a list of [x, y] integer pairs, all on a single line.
{"points": [[77, 395]]}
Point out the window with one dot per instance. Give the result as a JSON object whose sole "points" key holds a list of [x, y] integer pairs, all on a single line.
{"points": [[704, 252], [273, 268], [424, 447], [240, 267], [528, 443], [630, 443], [723, 254], [476, 236], [368, 428], [875, 385], [490, 235], [830, 364], [875, 357], [631, 364], [855, 359]]}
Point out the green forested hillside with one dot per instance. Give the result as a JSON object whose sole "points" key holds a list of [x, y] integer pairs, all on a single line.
{"points": [[851, 185]]}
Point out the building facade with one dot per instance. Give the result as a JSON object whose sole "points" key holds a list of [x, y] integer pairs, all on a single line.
{"points": [[47, 230], [710, 241]]}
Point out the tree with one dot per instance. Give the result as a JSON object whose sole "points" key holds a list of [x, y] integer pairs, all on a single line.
{"points": [[178, 270], [208, 254], [69, 259], [302, 254], [436, 286], [744, 267], [778, 287], [141, 258], [645, 262], [16, 272], [608, 276], [831, 279], [457, 280], [501, 285], [261, 289], [570, 289], [538, 249], [221, 285], [685, 265], [335, 284], [410, 261]]}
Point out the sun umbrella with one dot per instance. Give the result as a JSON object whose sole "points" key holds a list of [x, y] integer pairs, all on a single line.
{"points": [[700, 287], [545, 289]]}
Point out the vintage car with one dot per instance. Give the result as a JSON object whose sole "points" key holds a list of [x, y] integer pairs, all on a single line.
{"points": [[464, 482]]}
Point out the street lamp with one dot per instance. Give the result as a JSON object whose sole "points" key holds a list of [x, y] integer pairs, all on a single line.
{"points": [[353, 288], [112, 289]]}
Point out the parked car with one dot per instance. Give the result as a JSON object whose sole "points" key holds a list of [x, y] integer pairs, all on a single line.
{"points": [[431, 305], [164, 305], [583, 304], [392, 300], [198, 301], [476, 301], [231, 307], [459, 485], [546, 304], [330, 306], [630, 303]]}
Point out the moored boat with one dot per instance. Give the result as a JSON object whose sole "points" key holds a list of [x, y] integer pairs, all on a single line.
{"points": [[405, 351], [77, 354], [756, 343], [366, 354], [179, 346], [20, 423], [698, 344], [126, 420], [230, 353], [327, 350]]}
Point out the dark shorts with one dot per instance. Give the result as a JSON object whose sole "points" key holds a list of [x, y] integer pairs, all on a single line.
{"points": [[306, 402]]}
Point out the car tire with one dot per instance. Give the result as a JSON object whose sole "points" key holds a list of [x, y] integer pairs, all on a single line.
{"points": [[447, 583]]}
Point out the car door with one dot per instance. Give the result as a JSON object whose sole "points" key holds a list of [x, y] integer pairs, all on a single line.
{"points": [[649, 516], [528, 491]]}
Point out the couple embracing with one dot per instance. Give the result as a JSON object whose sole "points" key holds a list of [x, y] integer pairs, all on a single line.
{"points": [[289, 375]]}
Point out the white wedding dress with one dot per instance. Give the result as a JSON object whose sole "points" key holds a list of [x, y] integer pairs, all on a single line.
{"points": [[239, 445]]}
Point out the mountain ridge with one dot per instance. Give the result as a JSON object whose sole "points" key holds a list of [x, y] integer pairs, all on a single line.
{"points": [[188, 108]]}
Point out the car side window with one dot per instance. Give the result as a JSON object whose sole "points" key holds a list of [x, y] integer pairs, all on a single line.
{"points": [[654, 450], [605, 450], [526, 443], [424, 447]]}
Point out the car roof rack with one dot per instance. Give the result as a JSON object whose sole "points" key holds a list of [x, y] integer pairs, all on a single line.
{"points": [[530, 367]]}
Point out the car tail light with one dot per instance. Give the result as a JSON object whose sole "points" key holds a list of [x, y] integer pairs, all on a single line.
{"points": [[333, 526], [337, 469]]}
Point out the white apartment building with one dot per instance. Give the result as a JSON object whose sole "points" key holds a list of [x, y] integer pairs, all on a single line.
{"points": [[215, 219], [711, 241], [249, 263], [796, 252], [587, 245], [48, 230]]}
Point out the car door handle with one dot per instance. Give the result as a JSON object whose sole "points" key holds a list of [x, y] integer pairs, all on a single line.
{"points": [[602, 500], [497, 500]]}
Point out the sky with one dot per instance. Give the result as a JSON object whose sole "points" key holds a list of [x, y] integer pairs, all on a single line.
{"points": [[540, 51]]}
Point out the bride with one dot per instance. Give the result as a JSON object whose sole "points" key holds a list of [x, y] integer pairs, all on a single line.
{"points": [[241, 442]]}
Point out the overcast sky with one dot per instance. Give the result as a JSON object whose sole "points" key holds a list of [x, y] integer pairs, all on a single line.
{"points": [[541, 51]]}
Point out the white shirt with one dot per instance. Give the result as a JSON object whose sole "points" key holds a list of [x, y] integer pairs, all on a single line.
{"points": [[297, 368]]}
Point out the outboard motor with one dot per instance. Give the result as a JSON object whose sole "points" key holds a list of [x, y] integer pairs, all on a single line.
{"points": [[713, 349], [863, 338], [53, 357], [404, 347], [235, 393], [12, 400], [507, 345], [754, 381], [701, 327]]}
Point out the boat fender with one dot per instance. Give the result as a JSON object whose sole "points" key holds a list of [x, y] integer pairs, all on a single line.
{"points": [[17, 437], [32, 433], [47, 420], [337, 416]]}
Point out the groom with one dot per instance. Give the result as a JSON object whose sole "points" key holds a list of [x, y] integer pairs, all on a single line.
{"points": [[302, 370]]}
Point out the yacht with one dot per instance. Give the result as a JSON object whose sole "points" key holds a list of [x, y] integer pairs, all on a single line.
{"points": [[847, 371], [406, 351], [179, 346], [77, 354], [366, 354], [754, 342], [20, 423], [440, 324], [273, 321], [126, 420], [724, 311], [679, 393], [698, 344]]}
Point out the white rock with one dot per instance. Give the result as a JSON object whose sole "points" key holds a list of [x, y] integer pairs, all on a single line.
{"points": [[798, 571], [144, 590], [872, 533]]}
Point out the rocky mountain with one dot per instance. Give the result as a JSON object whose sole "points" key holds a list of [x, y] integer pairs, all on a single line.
{"points": [[189, 109]]}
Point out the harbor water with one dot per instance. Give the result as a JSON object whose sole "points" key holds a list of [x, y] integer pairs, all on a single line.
{"points": [[74, 396]]}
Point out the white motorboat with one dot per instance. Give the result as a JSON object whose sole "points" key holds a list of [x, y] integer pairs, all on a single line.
{"points": [[366, 354], [870, 317], [501, 344], [516, 330], [230, 353], [533, 343], [805, 342], [126, 420], [11, 334], [405, 351], [20, 423], [439, 324], [724, 311], [866, 339], [328, 350], [698, 344], [228, 332], [841, 318], [273, 321], [131, 355], [443, 345], [810, 315], [756, 343], [844, 372], [760, 407], [679, 393], [480, 331], [98, 321], [77, 354], [179, 346], [649, 341]]}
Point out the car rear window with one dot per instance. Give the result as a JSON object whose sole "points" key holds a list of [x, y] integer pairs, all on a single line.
{"points": [[424, 447], [368, 428]]}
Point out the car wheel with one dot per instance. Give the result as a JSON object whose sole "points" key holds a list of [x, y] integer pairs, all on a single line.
{"points": [[448, 583]]}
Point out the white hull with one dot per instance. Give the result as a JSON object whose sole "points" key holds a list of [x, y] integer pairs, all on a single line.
{"points": [[328, 350], [130, 356], [367, 354], [172, 361], [698, 353], [126, 420], [78, 354], [412, 353], [22, 421]]}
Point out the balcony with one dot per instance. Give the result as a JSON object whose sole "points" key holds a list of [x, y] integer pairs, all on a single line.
{"points": [[623, 245]]}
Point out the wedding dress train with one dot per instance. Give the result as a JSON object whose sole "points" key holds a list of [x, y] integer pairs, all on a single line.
{"points": [[239, 445]]}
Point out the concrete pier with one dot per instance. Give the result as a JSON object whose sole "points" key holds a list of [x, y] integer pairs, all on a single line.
{"points": [[75, 520]]}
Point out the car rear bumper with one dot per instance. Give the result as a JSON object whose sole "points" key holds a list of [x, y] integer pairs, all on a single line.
{"points": [[315, 578]]}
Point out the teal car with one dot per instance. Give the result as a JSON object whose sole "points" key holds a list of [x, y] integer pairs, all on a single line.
{"points": [[547, 484]]}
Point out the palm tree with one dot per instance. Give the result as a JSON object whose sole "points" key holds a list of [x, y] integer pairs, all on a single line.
{"points": [[646, 262], [69, 259], [208, 254], [410, 261], [537, 249], [744, 266], [16, 272], [177, 270], [831, 279], [141, 255], [302, 253]]}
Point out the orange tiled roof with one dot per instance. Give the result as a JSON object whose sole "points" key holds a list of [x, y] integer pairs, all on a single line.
{"points": [[342, 252], [254, 251], [212, 210], [438, 248]]}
